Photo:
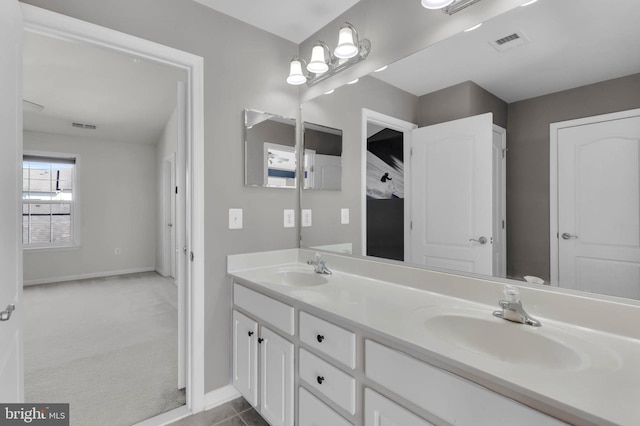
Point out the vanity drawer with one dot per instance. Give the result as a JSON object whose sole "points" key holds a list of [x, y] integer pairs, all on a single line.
{"points": [[270, 310], [328, 380], [313, 412], [380, 411], [452, 398], [327, 338]]}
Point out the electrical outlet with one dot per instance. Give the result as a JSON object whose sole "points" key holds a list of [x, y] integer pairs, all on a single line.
{"points": [[289, 218], [118, 251], [306, 217], [235, 218], [344, 216]]}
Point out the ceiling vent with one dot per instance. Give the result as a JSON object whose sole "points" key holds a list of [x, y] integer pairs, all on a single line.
{"points": [[84, 126], [510, 41], [458, 5]]}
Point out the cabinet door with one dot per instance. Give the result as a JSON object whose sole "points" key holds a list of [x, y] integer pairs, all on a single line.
{"points": [[276, 378], [380, 411], [245, 357]]}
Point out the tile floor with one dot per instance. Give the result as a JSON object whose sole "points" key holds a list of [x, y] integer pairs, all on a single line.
{"points": [[235, 413]]}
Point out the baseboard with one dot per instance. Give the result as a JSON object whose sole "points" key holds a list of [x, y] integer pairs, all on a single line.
{"points": [[220, 396], [87, 276]]}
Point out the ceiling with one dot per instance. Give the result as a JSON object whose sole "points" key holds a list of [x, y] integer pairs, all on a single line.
{"points": [[294, 20], [127, 99], [571, 43]]}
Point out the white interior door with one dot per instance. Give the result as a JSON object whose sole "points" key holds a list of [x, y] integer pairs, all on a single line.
{"points": [[599, 207], [11, 357], [452, 195]]}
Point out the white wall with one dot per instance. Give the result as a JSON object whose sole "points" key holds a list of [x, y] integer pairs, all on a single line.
{"points": [[118, 202], [167, 146]]}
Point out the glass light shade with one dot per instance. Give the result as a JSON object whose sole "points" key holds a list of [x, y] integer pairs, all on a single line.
{"points": [[346, 44], [436, 4], [318, 63], [296, 77]]}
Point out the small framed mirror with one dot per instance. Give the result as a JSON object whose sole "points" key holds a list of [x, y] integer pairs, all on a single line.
{"points": [[322, 168], [269, 150]]}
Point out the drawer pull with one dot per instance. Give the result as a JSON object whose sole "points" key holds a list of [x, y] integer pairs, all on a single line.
{"points": [[320, 379], [320, 338], [260, 340], [250, 333]]}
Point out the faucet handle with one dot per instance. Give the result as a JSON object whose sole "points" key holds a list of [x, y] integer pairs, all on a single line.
{"points": [[511, 293]]}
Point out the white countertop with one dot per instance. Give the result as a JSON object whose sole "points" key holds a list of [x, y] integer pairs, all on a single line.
{"points": [[599, 386]]}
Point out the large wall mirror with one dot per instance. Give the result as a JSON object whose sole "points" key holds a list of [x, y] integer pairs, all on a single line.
{"points": [[269, 150], [508, 80]]}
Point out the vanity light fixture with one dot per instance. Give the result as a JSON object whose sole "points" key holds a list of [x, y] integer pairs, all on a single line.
{"points": [[436, 4], [324, 63], [475, 27], [296, 77]]}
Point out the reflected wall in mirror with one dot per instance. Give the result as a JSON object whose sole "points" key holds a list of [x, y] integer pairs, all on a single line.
{"points": [[322, 168], [269, 150], [568, 62]]}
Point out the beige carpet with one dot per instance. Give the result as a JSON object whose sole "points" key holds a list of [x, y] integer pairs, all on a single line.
{"points": [[107, 346]]}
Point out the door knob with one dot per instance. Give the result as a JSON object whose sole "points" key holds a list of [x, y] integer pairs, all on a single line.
{"points": [[6, 314], [568, 236], [481, 240]]}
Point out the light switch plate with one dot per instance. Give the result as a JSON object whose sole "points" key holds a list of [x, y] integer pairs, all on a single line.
{"points": [[306, 217], [289, 218], [235, 218], [344, 216]]}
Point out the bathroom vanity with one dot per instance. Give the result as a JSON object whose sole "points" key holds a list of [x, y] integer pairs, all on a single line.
{"points": [[378, 342]]}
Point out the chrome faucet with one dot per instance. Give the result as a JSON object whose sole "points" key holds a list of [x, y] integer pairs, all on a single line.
{"points": [[319, 265], [512, 309]]}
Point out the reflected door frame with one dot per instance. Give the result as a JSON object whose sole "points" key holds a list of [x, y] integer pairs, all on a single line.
{"points": [[370, 116], [554, 236]]}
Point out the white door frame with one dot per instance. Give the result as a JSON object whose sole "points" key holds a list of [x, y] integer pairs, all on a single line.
{"points": [[369, 116], [553, 180], [169, 216], [52, 24]]}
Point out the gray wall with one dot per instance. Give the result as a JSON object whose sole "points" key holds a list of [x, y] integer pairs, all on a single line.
{"points": [[462, 100], [232, 52], [117, 189], [528, 163], [343, 110]]}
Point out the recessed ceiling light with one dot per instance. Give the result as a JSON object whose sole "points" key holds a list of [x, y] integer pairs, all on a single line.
{"points": [[475, 27], [528, 3], [354, 81], [382, 68], [330, 92]]}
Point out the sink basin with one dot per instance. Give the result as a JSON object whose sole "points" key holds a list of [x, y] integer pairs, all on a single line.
{"points": [[476, 330], [295, 276]]}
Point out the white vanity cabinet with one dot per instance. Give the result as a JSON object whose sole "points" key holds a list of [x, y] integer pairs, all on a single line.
{"points": [[380, 411], [443, 394], [263, 360]]}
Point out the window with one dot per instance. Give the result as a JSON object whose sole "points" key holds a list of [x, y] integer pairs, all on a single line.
{"points": [[48, 201]]}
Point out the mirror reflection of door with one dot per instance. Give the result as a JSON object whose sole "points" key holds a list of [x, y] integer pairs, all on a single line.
{"points": [[598, 211], [385, 192], [452, 208]]}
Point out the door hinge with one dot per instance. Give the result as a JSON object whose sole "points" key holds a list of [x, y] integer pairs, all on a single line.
{"points": [[411, 225], [176, 189], [411, 152], [504, 152], [191, 256], [502, 223]]}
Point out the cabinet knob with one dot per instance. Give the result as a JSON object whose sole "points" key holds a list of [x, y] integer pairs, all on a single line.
{"points": [[260, 340], [320, 379], [320, 338], [250, 333]]}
